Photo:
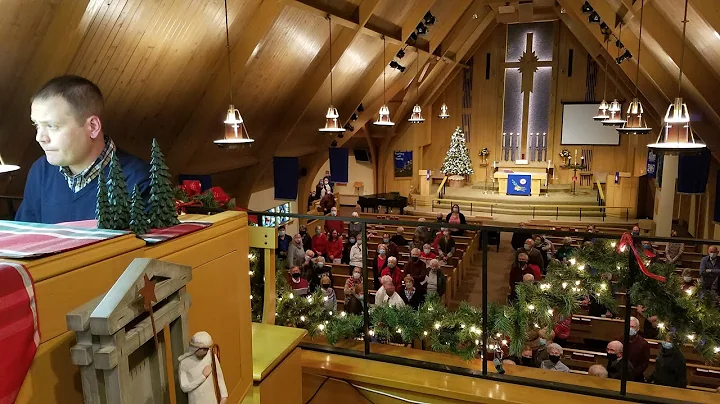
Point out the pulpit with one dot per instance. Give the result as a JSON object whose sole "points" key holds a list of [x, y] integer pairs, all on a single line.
{"points": [[531, 175], [425, 181]]}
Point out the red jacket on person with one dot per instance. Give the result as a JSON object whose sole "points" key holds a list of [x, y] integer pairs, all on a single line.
{"points": [[336, 225], [396, 275], [319, 244], [335, 248]]}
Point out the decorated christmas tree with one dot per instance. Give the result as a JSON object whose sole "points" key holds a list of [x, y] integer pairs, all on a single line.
{"points": [[119, 212], [457, 160], [162, 201], [138, 218], [102, 209]]}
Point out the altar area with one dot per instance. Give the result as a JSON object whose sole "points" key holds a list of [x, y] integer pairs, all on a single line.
{"points": [[523, 179]]}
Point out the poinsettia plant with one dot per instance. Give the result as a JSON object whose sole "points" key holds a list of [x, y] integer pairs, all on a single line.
{"points": [[189, 194]]}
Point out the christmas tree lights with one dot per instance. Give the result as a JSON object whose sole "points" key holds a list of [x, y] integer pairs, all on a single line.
{"points": [[457, 160]]}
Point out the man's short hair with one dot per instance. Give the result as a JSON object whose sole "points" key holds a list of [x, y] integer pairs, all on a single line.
{"points": [[385, 280], [598, 370], [84, 96], [281, 227]]}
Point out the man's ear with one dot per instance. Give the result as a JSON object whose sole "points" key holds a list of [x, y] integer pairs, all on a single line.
{"points": [[94, 126]]}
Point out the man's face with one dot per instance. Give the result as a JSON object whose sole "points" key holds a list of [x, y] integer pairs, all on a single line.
{"points": [[389, 288], [415, 254], [522, 262], [65, 142], [399, 232], [200, 353], [712, 250]]}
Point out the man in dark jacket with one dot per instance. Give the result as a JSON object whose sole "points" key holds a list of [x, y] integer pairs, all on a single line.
{"points": [[535, 257], [614, 357], [638, 351], [519, 237], [670, 369], [416, 268]]}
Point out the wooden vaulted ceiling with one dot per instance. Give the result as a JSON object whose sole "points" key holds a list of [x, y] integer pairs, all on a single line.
{"points": [[163, 69]]}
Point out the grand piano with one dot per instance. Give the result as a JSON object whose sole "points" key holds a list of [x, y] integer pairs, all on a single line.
{"points": [[388, 200]]}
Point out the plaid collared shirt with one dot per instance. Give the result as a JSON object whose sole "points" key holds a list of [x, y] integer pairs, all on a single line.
{"points": [[79, 181]]}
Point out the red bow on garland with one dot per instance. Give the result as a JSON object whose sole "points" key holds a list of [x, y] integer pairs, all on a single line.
{"points": [[627, 240]]}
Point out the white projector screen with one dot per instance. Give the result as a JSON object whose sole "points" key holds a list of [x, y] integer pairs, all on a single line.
{"points": [[578, 127]]}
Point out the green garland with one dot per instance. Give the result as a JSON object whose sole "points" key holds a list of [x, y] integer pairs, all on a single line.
{"points": [[690, 319]]}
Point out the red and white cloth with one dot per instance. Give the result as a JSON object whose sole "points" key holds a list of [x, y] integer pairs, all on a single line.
{"points": [[19, 328]]}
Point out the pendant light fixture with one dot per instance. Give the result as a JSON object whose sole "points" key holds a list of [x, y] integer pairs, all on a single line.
{"points": [[331, 118], [6, 168], [444, 112], [677, 136], [384, 114], [635, 122], [235, 131], [416, 116], [614, 109], [602, 110]]}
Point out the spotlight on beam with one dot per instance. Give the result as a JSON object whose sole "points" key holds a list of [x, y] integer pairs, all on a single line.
{"points": [[429, 19], [412, 39], [400, 54], [360, 108], [340, 135], [398, 66], [586, 8], [421, 29], [349, 127], [619, 44], [625, 56], [334, 143], [354, 116], [594, 18]]}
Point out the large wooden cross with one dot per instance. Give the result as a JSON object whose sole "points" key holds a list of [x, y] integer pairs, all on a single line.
{"points": [[528, 64]]}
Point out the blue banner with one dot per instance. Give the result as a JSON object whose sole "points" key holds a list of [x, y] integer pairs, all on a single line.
{"points": [[693, 172], [519, 184], [651, 164], [286, 171], [403, 164], [339, 164]]}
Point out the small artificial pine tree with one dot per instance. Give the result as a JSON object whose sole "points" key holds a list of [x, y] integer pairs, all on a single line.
{"points": [[162, 202], [138, 218], [457, 160], [102, 209], [118, 196]]}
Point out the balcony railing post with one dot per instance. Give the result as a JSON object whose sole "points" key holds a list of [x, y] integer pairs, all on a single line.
{"points": [[557, 212], [484, 300], [533, 212], [581, 214], [625, 374], [366, 292], [491, 209]]}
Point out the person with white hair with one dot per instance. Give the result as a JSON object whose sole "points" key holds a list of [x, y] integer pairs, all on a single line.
{"points": [[355, 228], [393, 270], [435, 281], [416, 268], [598, 371], [200, 374], [528, 278], [638, 351], [553, 362], [380, 293], [389, 298]]}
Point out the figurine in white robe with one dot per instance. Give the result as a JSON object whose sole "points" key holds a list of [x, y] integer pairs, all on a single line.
{"points": [[196, 372]]}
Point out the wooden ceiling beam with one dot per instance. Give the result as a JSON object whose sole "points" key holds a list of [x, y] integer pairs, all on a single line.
{"points": [[215, 98], [708, 10]]}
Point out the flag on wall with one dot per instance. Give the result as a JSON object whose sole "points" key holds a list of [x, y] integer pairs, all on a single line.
{"points": [[693, 171], [286, 171], [339, 164], [652, 161]]}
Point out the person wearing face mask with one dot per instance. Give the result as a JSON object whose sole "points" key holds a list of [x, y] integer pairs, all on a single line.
{"points": [[354, 279], [326, 186], [354, 300], [319, 270], [526, 358], [310, 200], [327, 202], [553, 362], [329, 292], [538, 341], [614, 352], [394, 271], [416, 268], [709, 268], [546, 248], [422, 234], [283, 243], [563, 253], [349, 242], [520, 268], [296, 252], [319, 189], [590, 229], [379, 264], [308, 263], [354, 228], [670, 368], [390, 298], [688, 280], [455, 217], [299, 285], [335, 247], [435, 281], [334, 224], [674, 251], [410, 295], [392, 248], [440, 218], [356, 254], [399, 238], [306, 238], [638, 351], [319, 242], [534, 255], [427, 254], [446, 246]]}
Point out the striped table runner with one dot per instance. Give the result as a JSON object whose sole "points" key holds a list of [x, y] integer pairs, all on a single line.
{"points": [[158, 235], [19, 328]]}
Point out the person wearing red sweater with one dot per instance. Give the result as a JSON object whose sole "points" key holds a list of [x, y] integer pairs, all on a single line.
{"points": [[637, 351], [519, 269], [337, 225], [393, 270], [319, 242], [426, 255], [335, 247]]}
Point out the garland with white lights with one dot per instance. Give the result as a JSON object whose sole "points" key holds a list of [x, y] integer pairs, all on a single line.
{"points": [[689, 318]]}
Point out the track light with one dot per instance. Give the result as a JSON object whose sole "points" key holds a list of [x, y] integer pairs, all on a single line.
{"points": [[349, 127], [625, 56], [594, 18], [334, 143], [400, 54], [429, 19], [603, 26], [619, 44], [398, 66], [412, 39], [354, 116], [340, 135], [586, 8], [421, 29], [360, 108]]}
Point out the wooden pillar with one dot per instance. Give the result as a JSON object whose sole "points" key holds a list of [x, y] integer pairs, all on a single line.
{"points": [[664, 216], [693, 215], [269, 292]]}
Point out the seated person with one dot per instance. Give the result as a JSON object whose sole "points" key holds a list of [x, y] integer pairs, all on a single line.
{"points": [[319, 270], [590, 229], [335, 247], [298, 284], [308, 264], [416, 268], [670, 368], [439, 218], [380, 293], [526, 357], [393, 270], [538, 340], [423, 234], [319, 242], [534, 255], [380, 263], [392, 248], [355, 228], [390, 298], [62, 185], [435, 281], [327, 202], [354, 301], [553, 362], [520, 268], [446, 246], [598, 371], [614, 356], [688, 280], [546, 247], [649, 251], [427, 254], [354, 279], [562, 330], [329, 293], [710, 268], [411, 296], [399, 238], [565, 251]]}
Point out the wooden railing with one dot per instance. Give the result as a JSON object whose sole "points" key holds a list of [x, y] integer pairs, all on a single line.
{"points": [[441, 188], [601, 194]]}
